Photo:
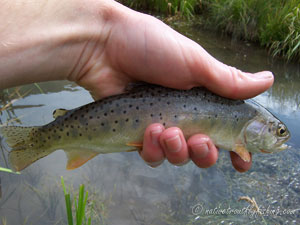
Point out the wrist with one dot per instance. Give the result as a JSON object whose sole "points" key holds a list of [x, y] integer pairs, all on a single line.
{"points": [[49, 40]]}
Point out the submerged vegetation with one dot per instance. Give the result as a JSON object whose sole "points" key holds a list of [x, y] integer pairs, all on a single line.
{"points": [[274, 24]]}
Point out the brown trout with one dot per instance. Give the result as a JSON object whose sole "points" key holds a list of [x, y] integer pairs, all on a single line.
{"points": [[117, 124]]}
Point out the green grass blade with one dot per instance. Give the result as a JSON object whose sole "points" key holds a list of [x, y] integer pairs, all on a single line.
{"points": [[80, 209], [2, 169], [38, 87], [68, 203]]}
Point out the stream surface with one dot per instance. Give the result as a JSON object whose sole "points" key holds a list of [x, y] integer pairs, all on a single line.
{"points": [[124, 190]]}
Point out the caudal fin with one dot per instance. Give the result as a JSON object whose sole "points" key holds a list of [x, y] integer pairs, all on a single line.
{"points": [[24, 149]]}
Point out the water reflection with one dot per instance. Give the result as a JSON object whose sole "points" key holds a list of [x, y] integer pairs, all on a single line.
{"points": [[129, 192]]}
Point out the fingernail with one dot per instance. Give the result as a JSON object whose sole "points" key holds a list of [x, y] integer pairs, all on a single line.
{"points": [[262, 75], [173, 144], [201, 150], [155, 164], [154, 134]]}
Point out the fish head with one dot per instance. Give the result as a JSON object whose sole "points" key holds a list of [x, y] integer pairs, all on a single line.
{"points": [[266, 135]]}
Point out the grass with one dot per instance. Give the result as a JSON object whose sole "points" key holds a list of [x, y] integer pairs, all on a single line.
{"points": [[274, 24], [2, 169], [80, 206], [183, 8]]}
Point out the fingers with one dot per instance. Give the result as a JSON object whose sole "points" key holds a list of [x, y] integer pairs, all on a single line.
{"points": [[174, 145], [152, 152], [202, 151], [225, 80], [160, 143], [239, 164]]}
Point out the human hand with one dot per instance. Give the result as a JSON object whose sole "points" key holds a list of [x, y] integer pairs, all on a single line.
{"points": [[142, 48], [103, 46]]}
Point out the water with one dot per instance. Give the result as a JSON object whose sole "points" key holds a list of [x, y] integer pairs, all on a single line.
{"points": [[126, 191]]}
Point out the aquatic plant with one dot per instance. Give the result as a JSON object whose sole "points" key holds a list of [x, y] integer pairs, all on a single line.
{"points": [[2, 169], [80, 206]]}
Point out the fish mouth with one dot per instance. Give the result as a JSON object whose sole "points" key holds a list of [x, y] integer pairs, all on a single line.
{"points": [[280, 146]]}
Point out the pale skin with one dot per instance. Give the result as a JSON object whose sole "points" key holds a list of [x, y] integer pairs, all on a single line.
{"points": [[102, 46]]}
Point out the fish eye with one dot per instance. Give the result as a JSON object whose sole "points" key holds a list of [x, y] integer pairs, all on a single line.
{"points": [[281, 130]]}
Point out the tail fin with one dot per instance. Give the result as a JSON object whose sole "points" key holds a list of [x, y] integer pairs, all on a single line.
{"points": [[24, 151]]}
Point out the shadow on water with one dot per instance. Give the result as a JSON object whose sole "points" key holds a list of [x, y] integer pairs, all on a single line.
{"points": [[126, 191]]}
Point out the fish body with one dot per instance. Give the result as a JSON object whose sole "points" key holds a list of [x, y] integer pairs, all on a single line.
{"points": [[117, 123]]}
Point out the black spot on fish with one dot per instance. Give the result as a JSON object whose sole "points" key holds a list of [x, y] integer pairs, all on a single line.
{"points": [[114, 130], [151, 104], [184, 106], [127, 120], [102, 124], [91, 117], [195, 108], [98, 117], [164, 123], [59, 137], [124, 111], [137, 108], [168, 103], [86, 124], [112, 111], [72, 126], [116, 121], [67, 133], [130, 106], [61, 129], [105, 114], [136, 121], [80, 134], [175, 116], [216, 115], [151, 115]]}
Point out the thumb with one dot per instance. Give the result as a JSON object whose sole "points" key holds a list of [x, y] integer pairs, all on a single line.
{"points": [[228, 81]]}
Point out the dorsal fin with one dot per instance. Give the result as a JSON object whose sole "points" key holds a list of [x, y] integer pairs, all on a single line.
{"points": [[59, 112]]}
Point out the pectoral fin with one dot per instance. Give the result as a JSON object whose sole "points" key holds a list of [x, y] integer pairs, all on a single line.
{"points": [[242, 152], [77, 158], [137, 146]]}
